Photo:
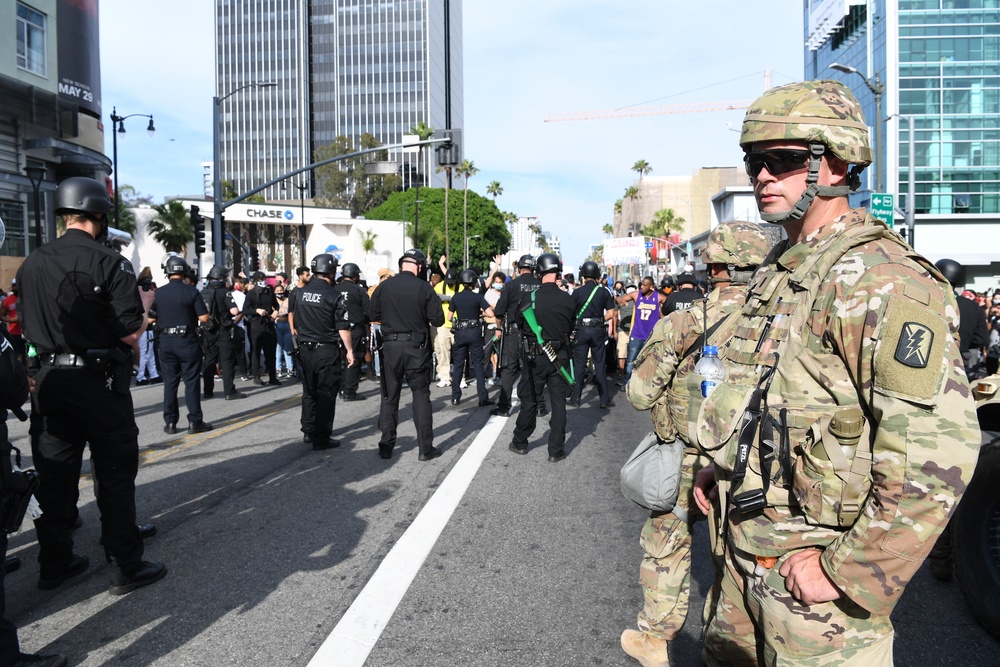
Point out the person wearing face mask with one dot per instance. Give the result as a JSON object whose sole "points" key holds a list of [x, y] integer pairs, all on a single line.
{"points": [[492, 296], [284, 360], [259, 307]]}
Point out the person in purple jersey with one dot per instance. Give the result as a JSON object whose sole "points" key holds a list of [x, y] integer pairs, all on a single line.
{"points": [[647, 312]]}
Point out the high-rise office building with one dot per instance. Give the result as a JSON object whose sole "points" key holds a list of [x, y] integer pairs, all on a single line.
{"points": [[935, 63], [342, 67]]}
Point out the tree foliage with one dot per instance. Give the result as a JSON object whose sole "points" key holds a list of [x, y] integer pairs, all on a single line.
{"points": [[172, 226], [664, 222], [345, 184], [229, 193], [485, 220]]}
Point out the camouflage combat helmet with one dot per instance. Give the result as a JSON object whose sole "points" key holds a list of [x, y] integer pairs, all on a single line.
{"points": [[825, 115], [738, 245]]}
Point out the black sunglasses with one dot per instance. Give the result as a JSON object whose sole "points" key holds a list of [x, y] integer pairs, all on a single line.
{"points": [[777, 162]]}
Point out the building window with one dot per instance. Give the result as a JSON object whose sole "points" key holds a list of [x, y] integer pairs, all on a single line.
{"points": [[30, 39]]}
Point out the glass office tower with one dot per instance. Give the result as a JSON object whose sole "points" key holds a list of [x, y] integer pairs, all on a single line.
{"points": [[938, 63], [342, 67]]}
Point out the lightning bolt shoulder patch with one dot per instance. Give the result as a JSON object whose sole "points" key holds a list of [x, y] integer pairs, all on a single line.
{"points": [[909, 357]]}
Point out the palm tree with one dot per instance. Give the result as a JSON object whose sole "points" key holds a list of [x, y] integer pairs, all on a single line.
{"points": [[466, 170], [618, 207], [447, 191], [642, 168], [608, 229], [664, 222], [368, 240], [423, 132], [494, 189], [632, 193], [172, 226]]}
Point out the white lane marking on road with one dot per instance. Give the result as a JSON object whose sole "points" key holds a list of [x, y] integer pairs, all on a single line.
{"points": [[361, 626]]}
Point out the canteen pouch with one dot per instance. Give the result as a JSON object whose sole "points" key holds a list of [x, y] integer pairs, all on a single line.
{"points": [[830, 489], [419, 339], [651, 477]]}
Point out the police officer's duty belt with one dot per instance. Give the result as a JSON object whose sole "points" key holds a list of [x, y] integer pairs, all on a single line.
{"points": [[397, 336], [175, 331], [74, 360], [313, 346], [467, 324], [592, 321]]}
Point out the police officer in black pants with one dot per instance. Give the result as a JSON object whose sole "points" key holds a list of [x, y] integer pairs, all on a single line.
{"points": [[357, 301], [508, 308], [221, 344], [595, 307], [81, 310], [684, 296], [407, 307], [259, 306], [13, 394], [321, 323], [178, 309], [467, 309], [555, 312]]}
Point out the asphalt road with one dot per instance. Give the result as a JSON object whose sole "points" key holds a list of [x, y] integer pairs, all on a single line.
{"points": [[269, 544]]}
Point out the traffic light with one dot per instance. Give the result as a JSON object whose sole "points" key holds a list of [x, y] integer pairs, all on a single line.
{"points": [[449, 154], [198, 222], [254, 259]]}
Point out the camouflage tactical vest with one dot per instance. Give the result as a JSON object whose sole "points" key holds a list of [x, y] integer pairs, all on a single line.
{"points": [[783, 320]]}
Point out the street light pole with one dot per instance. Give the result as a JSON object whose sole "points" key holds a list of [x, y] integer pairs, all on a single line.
{"points": [[877, 89], [118, 126], [467, 238], [216, 177], [302, 218], [35, 175]]}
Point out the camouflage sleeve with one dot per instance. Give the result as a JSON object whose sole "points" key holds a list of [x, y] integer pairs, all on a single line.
{"points": [[657, 361], [896, 329]]}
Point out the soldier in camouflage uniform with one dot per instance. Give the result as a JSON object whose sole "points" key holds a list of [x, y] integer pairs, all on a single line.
{"points": [[844, 434], [659, 383]]}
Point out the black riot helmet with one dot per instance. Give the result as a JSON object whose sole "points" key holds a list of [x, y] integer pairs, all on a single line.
{"points": [[218, 273], [417, 257], [686, 278], [526, 262], [952, 271], [548, 262], [176, 266], [82, 195], [590, 269], [351, 270], [668, 281], [324, 264], [468, 277]]}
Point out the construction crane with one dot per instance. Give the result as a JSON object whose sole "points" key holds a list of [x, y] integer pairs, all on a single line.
{"points": [[649, 111], [626, 112]]}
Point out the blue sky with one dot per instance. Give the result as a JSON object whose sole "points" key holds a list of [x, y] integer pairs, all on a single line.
{"points": [[524, 60]]}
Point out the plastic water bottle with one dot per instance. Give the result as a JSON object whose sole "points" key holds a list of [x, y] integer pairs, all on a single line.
{"points": [[710, 368]]}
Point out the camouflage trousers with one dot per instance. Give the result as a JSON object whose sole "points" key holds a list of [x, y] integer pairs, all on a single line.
{"points": [[665, 572], [757, 622]]}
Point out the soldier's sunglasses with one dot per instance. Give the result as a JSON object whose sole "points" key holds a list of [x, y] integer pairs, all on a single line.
{"points": [[778, 162]]}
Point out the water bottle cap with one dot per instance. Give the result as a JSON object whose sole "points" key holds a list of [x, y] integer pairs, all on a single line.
{"points": [[711, 350]]}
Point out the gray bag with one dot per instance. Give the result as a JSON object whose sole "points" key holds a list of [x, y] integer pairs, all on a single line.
{"points": [[651, 477]]}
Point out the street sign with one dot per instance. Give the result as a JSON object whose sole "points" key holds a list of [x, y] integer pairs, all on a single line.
{"points": [[649, 245], [883, 207]]}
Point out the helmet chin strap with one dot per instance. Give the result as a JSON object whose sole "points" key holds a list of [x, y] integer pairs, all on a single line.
{"points": [[812, 190]]}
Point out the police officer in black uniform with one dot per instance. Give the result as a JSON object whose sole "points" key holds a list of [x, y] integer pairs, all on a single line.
{"points": [[508, 308], [259, 306], [555, 312], [219, 341], [357, 311], [594, 308], [322, 322], [684, 296], [467, 310], [407, 307], [178, 309], [82, 313]]}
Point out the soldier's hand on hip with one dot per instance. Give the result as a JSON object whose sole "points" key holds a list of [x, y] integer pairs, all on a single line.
{"points": [[806, 580], [705, 489]]}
